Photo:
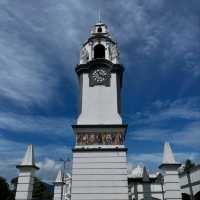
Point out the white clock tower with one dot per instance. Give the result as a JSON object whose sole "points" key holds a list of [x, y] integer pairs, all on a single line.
{"points": [[99, 156]]}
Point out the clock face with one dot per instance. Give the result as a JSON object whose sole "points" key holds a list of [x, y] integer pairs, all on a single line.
{"points": [[100, 75]]}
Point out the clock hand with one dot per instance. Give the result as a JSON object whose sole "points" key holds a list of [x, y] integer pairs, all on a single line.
{"points": [[101, 74]]}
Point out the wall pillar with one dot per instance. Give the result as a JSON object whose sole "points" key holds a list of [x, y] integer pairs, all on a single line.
{"points": [[58, 187], [26, 176], [171, 186]]}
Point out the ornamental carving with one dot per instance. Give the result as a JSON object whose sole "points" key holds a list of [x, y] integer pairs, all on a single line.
{"points": [[115, 138], [84, 55], [114, 52]]}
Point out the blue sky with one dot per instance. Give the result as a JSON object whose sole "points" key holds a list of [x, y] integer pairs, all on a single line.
{"points": [[40, 43]]}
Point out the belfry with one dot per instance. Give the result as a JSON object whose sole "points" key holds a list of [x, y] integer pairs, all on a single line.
{"points": [[99, 156]]}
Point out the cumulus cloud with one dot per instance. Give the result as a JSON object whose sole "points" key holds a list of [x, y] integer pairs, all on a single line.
{"points": [[49, 169], [158, 111], [47, 158], [152, 122], [40, 42], [154, 159], [35, 124], [188, 135]]}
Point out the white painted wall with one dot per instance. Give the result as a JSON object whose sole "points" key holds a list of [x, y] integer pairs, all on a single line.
{"points": [[99, 175], [25, 184], [99, 103], [171, 184], [195, 178], [58, 191], [138, 190]]}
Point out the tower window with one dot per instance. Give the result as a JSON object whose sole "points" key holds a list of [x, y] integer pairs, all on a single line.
{"points": [[99, 51], [99, 30]]}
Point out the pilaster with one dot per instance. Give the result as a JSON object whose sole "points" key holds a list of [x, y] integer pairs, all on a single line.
{"points": [[58, 186], [26, 176], [171, 186]]}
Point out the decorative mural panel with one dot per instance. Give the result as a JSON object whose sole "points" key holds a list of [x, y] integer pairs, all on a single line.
{"points": [[115, 138]]}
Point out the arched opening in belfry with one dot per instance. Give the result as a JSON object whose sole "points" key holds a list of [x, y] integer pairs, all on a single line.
{"points": [[99, 51], [99, 30]]}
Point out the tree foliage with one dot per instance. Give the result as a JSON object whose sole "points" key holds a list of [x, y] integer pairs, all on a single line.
{"points": [[41, 190], [188, 165], [5, 192]]}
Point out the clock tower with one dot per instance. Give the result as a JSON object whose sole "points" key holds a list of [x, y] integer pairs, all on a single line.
{"points": [[99, 156], [100, 76]]}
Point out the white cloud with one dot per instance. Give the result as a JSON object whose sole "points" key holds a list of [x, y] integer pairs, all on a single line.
{"points": [[11, 154], [40, 41], [48, 169], [37, 41], [153, 32], [188, 135], [47, 157], [153, 160], [153, 120], [144, 158], [35, 124], [151, 134], [25, 78], [185, 108]]}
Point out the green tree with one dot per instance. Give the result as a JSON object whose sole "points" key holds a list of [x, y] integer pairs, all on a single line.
{"points": [[5, 192], [14, 184], [40, 189], [188, 166]]}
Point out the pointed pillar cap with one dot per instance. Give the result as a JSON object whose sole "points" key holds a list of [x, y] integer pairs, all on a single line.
{"points": [[29, 159], [59, 178], [168, 156]]}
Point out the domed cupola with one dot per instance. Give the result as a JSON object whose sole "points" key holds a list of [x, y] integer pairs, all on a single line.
{"points": [[99, 45]]}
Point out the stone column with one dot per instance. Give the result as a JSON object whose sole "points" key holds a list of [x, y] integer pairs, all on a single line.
{"points": [[171, 187], [58, 187], [26, 175]]}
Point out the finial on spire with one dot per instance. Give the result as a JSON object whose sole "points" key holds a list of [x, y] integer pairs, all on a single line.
{"points": [[99, 13]]}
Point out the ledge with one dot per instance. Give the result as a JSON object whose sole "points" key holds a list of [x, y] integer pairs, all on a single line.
{"points": [[27, 166], [75, 126], [98, 149], [106, 63], [169, 165]]}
